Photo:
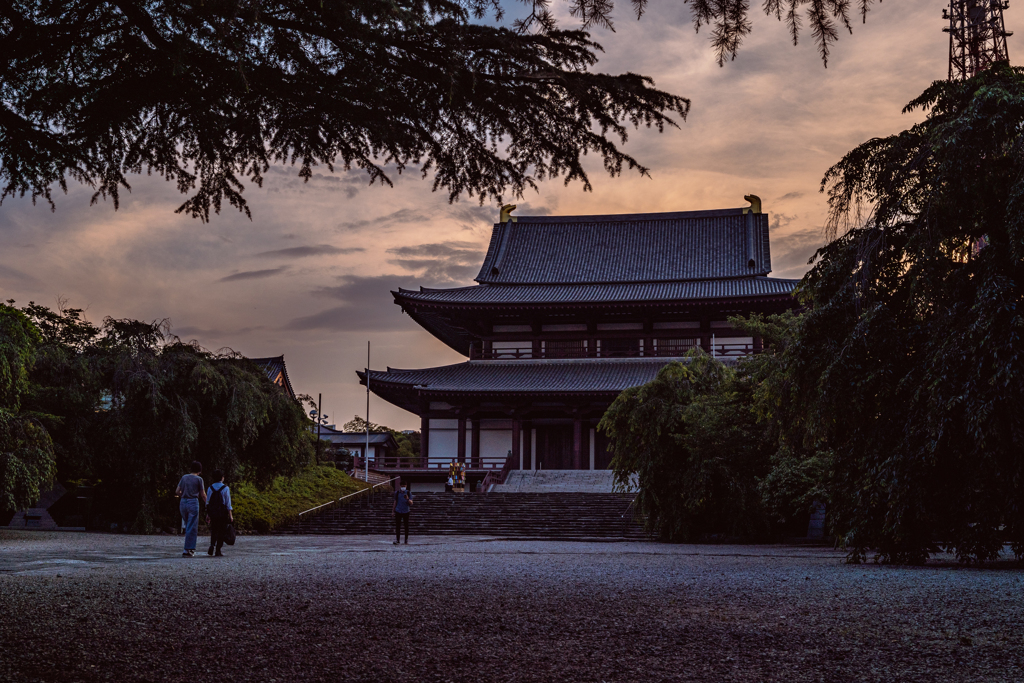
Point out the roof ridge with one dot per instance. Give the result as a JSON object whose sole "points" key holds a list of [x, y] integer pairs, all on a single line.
{"points": [[609, 217]]}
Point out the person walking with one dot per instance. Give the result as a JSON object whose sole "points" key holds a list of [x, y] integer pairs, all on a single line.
{"points": [[218, 512], [190, 490], [403, 504]]}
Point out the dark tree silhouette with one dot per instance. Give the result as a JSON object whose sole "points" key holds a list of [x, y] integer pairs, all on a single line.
{"points": [[210, 93]]}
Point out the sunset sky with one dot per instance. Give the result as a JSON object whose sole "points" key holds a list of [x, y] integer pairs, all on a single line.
{"points": [[309, 276]]}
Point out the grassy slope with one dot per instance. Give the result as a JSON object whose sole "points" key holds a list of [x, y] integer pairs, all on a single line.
{"points": [[286, 497]]}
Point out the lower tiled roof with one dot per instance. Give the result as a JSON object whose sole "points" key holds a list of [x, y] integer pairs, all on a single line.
{"points": [[650, 291], [606, 375]]}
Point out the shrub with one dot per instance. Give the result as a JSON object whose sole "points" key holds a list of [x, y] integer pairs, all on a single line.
{"points": [[286, 497]]}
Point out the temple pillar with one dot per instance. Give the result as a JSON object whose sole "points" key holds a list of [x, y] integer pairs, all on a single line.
{"points": [[517, 437], [577, 444], [593, 439], [758, 344], [424, 441], [533, 448], [461, 448], [527, 444], [476, 442]]}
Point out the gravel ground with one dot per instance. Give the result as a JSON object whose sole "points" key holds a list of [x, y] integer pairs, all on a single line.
{"points": [[104, 607]]}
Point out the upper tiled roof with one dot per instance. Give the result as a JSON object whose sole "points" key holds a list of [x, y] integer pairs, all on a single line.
{"points": [[628, 248], [606, 293], [607, 375]]}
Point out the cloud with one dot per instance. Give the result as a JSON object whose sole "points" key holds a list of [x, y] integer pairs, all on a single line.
{"points": [[254, 274], [310, 250], [791, 252], [781, 220], [17, 279], [394, 218], [790, 195], [443, 262], [367, 305]]}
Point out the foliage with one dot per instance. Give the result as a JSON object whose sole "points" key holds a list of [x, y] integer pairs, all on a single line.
{"points": [[129, 406], [26, 452], [209, 94], [911, 350], [796, 482], [67, 384], [279, 503], [690, 440]]}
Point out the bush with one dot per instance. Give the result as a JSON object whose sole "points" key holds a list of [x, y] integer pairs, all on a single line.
{"points": [[286, 497]]}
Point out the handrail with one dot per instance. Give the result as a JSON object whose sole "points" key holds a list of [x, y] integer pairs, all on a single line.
{"points": [[498, 478], [332, 502]]}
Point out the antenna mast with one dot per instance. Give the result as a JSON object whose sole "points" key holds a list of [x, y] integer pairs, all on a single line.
{"points": [[977, 36]]}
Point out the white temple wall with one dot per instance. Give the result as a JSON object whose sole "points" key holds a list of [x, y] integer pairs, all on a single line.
{"points": [[443, 442]]}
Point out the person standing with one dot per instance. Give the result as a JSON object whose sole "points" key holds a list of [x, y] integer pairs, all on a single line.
{"points": [[218, 512], [403, 504], [190, 490]]}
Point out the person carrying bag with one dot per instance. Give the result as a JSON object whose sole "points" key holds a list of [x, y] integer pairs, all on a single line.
{"points": [[219, 515]]}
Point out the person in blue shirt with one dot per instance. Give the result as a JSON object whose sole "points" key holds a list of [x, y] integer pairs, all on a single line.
{"points": [[218, 512], [403, 503], [190, 489]]}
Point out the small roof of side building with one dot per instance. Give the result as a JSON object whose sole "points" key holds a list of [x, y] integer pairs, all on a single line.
{"points": [[276, 372], [387, 440]]}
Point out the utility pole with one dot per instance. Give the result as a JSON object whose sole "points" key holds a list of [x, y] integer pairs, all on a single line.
{"points": [[366, 453], [977, 36], [319, 421]]}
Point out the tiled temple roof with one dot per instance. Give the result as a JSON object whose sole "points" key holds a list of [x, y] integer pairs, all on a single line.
{"points": [[628, 248], [602, 293], [607, 375], [276, 372]]}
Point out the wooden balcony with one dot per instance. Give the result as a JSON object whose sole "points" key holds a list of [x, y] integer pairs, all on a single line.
{"points": [[663, 350]]}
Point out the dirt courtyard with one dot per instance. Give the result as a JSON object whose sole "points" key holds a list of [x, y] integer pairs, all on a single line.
{"points": [[91, 607]]}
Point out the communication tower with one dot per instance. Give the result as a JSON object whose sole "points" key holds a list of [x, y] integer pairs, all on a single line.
{"points": [[977, 36]]}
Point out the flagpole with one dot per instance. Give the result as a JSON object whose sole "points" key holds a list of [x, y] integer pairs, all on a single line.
{"points": [[366, 453]]}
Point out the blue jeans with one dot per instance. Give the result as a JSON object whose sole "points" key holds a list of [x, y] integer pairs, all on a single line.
{"points": [[189, 508]]}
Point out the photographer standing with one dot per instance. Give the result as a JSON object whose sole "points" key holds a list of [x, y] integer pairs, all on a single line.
{"points": [[403, 504]]}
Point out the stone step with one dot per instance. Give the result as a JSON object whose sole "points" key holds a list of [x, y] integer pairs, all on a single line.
{"points": [[520, 515]]}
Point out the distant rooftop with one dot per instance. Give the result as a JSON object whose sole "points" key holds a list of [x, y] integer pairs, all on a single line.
{"points": [[276, 372]]}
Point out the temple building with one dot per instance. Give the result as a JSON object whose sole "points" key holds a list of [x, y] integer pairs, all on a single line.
{"points": [[568, 312]]}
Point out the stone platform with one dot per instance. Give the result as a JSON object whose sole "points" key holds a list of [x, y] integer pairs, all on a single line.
{"points": [[557, 481]]}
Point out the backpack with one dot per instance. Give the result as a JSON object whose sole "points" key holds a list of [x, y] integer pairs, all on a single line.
{"points": [[215, 506]]}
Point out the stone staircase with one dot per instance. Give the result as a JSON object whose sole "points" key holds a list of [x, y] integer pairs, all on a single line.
{"points": [[544, 516], [557, 481]]}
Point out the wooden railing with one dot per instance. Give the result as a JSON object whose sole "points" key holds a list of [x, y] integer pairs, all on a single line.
{"points": [[664, 351], [496, 477], [397, 463]]}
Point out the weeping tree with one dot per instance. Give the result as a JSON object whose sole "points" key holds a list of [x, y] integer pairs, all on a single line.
{"points": [[26, 451], [129, 406], [172, 402], [690, 443], [209, 93], [913, 344], [800, 459]]}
